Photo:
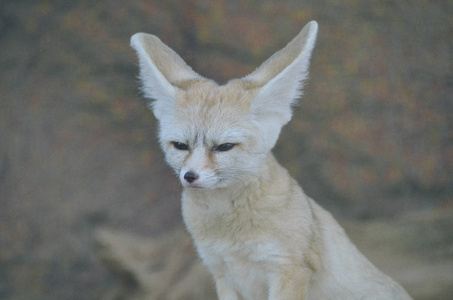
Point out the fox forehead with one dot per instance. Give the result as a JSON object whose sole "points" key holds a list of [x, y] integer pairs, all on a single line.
{"points": [[207, 99], [212, 113]]}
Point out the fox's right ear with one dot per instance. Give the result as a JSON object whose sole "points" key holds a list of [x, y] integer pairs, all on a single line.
{"points": [[162, 72]]}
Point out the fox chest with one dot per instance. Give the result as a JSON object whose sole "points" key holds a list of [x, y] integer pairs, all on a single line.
{"points": [[247, 277], [246, 266], [237, 246]]}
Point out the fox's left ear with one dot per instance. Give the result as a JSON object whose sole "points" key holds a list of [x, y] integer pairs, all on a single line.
{"points": [[279, 80]]}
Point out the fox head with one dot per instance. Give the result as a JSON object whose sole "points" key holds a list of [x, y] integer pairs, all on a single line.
{"points": [[214, 135]]}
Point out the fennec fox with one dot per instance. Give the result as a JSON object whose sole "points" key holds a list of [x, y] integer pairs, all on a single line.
{"points": [[257, 232]]}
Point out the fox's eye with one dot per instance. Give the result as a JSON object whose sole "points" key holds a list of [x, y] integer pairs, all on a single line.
{"points": [[180, 146], [225, 147]]}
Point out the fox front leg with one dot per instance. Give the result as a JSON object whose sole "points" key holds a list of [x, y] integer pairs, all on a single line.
{"points": [[224, 291], [290, 285]]}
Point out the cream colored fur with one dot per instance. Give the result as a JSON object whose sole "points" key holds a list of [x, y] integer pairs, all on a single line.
{"points": [[257, 232]]}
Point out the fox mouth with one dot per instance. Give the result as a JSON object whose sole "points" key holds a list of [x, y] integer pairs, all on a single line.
{"points": [[194, 186], [200, 186]]}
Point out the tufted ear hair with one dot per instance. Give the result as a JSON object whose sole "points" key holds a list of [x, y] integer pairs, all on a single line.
{"points": [[162, 72], [279, 80]]}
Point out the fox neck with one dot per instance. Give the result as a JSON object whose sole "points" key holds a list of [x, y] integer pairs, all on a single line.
{"points": [[224, 214]]}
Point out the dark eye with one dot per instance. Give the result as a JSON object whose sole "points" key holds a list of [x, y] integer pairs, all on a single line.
{"points": [[225, 147], [180, 146]]}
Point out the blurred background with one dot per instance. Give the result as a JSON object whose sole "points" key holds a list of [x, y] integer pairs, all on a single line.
{"points": [[372, 137]]}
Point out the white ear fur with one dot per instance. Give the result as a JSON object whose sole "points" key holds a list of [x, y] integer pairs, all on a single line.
{"points": [[162, 72], [279, 81]]}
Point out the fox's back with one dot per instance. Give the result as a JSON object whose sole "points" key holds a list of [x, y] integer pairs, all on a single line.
{"points": [[345, 273]]}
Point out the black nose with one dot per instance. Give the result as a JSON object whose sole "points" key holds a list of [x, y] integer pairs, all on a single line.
{"points": [[191, 177]]}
